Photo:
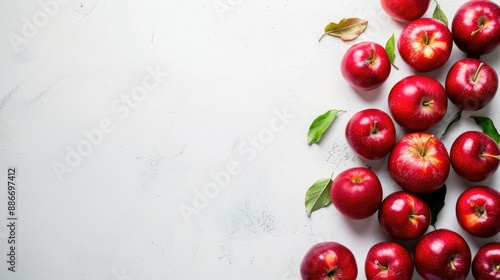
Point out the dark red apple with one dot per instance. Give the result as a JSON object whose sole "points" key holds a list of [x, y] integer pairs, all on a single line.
{"points": [[486, 262], [356, 192], [405, 10], [471, 84], [329, 260], [404, 216], [478, 211], [476, 27], [419, 163], [418, 103], [365, 66], [442, 254], [425, 44], [474, 156], [371, 133], [388, 260]]}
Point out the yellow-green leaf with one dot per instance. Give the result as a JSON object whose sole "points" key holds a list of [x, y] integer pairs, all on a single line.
{"points": [[439, 14], [318, 195], [347, 29], [320, 124], [389, 48]]}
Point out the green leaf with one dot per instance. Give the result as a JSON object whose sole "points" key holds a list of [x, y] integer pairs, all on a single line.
{"points": [[320, 124], [439, 14], [389, 48], [318, 195], [347, 29], [453, 121], [435, 201], [486, 124]]}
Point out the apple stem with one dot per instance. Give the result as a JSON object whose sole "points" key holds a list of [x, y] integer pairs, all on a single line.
{"points": [[491, 156], [480, 211], [427, 103], [331, 274], [426, 38], [422, 217], [452, 265], [381, 266], [481, 22], [372, 57], [476, 75], [422, 150], [374, 128]]}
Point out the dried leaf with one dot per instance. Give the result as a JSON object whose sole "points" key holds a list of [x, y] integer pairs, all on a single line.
{"points": [[347, 29]]}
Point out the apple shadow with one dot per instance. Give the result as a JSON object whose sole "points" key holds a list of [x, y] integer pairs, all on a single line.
{"points": [[477, 242], [365, 227], [490, 58], [371, 96], [376, 165]]}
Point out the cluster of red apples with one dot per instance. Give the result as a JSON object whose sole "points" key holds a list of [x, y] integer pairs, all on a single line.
{"points": [[419, 162]]}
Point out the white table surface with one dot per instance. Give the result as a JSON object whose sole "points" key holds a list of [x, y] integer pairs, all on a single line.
{"points": [[232, 87]]}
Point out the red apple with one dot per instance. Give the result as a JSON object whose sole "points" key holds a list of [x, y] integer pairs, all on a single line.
{"points": [[404, 216], [328, 260], [442, 254], [356, 193], [478, 211], [419, 163], [365, 66], [371, 133], [388, 260], [486, 262], [418, 103], [476, 27], [474, 156], [406, 10], [471, 84], [425, 44]]}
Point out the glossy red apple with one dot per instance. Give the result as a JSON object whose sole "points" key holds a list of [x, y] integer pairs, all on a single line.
{"points": [[476, 27], [442, 254], [418, 103], [478, 211], [425, 44], [388, 260], [486, 262], [371, 133], [328, 260], [474, 156], [405, 10], [365, 66], [419, 163], [471, 84], [356, 193], [404, 216]]}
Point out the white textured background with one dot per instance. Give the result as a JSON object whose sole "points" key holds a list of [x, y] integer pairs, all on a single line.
{"points": [[245, 80]]}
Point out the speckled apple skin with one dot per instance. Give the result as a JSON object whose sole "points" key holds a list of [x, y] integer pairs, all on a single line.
{"points": [[415, 172], [435, 250]]}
